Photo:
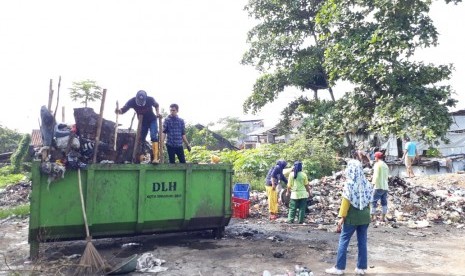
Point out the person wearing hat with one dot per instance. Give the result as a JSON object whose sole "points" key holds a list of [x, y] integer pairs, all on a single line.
{"points": [[380, 183], [142, 105]]}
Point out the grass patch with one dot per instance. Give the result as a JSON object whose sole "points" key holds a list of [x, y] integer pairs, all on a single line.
{"points": [[9, 179], [20, 211]]}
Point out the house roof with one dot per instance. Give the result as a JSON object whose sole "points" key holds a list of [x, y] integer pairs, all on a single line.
{"points": [[255, 120], [263, 131], [217, 137], [36, 138], [459, 123]]}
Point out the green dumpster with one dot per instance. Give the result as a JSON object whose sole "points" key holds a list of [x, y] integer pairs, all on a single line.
{"points": [[130, 199]]}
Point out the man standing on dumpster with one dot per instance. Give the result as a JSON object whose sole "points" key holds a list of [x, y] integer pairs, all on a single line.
{"points": [[143, 104], [380, 182], [175, 129]]}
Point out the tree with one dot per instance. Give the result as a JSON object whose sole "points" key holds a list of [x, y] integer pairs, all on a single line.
{"points": [[20, 153], [8, 139], [372, 45], [368, 43], [85, 91], [284, 48], [230, 129], [198, 137]]}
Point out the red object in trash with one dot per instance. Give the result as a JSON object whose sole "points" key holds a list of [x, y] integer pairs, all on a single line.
{"points": [[240, 207]]}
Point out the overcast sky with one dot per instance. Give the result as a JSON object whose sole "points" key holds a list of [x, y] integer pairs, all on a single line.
{"points": [[186, 52]]}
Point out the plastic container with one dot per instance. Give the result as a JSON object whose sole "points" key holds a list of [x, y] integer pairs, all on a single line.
{"points": [[240, 207], [242, 190]]}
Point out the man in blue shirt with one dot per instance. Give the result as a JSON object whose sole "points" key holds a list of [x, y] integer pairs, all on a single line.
{"points": [[175, 129], [410, 153], [143, 104]]}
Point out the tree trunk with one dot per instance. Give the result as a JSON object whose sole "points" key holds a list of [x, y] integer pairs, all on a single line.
{"points": [[400, 151], [331, 93]]}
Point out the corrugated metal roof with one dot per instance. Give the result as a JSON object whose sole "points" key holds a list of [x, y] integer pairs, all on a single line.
{"points": [[458, 124], [36, 138]]}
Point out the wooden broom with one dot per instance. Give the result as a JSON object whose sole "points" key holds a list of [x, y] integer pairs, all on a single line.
{"points": [[91, 262]]}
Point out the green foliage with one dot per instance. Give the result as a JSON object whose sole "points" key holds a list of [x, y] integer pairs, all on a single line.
{"points": [[203, 137], [8, 139], [85, 91], [258, 161], [433, 152], [7, 177], [256, 183], [198, 154], [284, 49], [318, 158], [230, 128], [252, 165], [313, 44], [20, 153], [20, 211], [370, 43], [6, 180]]}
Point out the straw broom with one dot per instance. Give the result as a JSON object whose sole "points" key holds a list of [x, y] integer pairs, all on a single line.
{"points": [[91, 262]]}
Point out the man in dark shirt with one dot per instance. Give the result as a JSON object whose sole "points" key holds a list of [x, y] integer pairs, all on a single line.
{"points": [[175, 129], [143, 104]]}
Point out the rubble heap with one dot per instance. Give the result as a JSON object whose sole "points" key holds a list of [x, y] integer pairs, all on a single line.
{"points": [[16, 194], [412, 205]]}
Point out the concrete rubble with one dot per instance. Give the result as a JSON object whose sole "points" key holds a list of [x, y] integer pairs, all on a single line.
{"points": [[409, 205]]}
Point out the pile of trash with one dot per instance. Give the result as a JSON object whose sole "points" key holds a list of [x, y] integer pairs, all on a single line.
{"points": [[73, 146], [16, 194], [411, 205]]}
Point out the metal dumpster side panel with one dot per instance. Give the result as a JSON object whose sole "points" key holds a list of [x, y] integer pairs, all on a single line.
{"points": [[115, 196], [128, 199]]}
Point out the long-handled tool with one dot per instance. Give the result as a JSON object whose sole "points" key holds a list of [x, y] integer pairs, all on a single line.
{"points": [[99, 126], [91, 262], [160, 141], [116, 127], [135, 152]]}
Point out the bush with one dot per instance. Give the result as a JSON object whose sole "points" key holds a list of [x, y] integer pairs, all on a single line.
{"points": [[256, 183], [252, 165], [20, 153], [257, 162], [318, 158]]}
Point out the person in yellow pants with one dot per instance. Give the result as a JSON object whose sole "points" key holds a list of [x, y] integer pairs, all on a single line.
{"points": [[273, 177]]}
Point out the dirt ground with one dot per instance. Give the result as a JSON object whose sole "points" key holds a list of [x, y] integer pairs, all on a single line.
{"points": [[254, 245]]}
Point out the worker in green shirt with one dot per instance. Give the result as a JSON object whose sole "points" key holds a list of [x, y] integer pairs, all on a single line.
{"points": [[298, 186], [380, 182]]}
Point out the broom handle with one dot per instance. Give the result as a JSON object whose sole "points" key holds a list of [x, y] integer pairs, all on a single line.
{"points": [[82, 203], [160, 144]]}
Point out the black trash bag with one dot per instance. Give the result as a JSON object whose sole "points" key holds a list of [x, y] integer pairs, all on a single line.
{"points": [[73, 161], [47, 128]]}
